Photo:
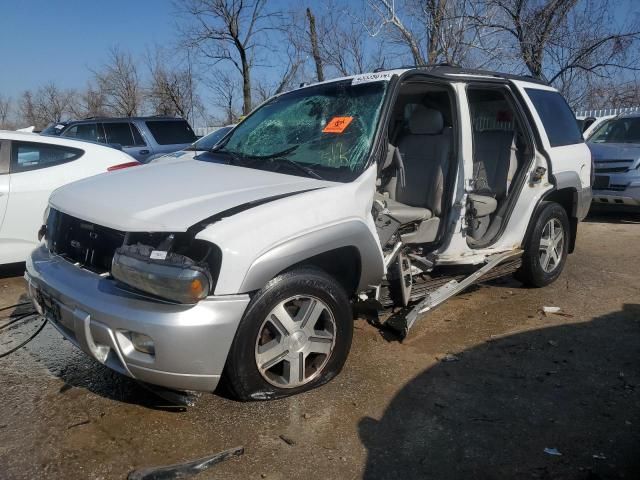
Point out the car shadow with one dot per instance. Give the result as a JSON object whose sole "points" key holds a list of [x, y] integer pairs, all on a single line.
{"points": [[572, 389], [613, 215]]}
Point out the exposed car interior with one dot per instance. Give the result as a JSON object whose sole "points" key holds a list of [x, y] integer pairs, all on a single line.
{"points": [[500, 151], [416, 171]]}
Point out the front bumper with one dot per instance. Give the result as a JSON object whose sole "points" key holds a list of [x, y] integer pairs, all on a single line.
{"points": [[191, 341], [624, 190]]}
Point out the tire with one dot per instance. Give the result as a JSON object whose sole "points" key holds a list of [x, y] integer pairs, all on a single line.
{"points": [[294, 336], [542, 263]]}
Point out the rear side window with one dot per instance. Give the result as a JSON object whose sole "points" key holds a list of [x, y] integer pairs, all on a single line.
{"points": [[557, 118], [119, 133], [170, 132], [85, 131], [33, 156]]}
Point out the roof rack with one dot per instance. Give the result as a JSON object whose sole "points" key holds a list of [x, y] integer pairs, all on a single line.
{"points": [[139, 117], [444, 68]]}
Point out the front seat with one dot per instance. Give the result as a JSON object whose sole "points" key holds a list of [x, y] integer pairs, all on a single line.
{"points": [[424, 151]]}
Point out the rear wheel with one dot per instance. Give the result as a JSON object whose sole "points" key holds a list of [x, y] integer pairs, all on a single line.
{"points": [[294, 336], [546, 248]]}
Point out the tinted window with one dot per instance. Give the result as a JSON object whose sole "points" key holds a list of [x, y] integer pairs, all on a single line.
{"points": [[557, 118], [170, 132], [118, 133], [32, 156], [86, 131]]}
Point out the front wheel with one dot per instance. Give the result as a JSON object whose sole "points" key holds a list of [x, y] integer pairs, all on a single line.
{"points": [[546, 248], [294, 336]]}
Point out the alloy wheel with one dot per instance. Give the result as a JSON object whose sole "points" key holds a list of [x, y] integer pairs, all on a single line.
{"points": [[295, 341], [551, 245]]}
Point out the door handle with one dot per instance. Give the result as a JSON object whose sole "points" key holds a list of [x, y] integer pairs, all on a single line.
{"points": [[144, 152]]}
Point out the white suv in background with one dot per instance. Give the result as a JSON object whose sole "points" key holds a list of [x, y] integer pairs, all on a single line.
{"points": [[31, 167], [395, 188]]}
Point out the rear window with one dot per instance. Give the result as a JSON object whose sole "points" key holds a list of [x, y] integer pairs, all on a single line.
{"points": [[557, 118], [171, 132], [33, 156]]}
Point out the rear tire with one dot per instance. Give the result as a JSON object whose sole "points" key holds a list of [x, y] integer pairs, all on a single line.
{"points": [[546, 249], [294, 336]]}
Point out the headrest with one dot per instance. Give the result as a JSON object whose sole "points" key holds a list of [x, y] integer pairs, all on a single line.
{"points": [[426, 121]]}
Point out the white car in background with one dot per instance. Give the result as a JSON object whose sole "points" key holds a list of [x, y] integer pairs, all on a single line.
{"points": [[31, 167]]}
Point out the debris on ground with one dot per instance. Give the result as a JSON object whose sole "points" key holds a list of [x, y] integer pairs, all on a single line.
{"points": [[287, 440], [450, 357], [553, 343], [551, 309], [21, 318], [599, 456], [73, 425], [186, 469], [552, 451]]}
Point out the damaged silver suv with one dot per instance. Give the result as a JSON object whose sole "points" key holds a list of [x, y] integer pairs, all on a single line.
{"points": [[395, 188]]}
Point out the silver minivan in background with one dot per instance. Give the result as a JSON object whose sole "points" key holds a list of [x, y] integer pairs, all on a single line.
{"points": [[615, 147]]}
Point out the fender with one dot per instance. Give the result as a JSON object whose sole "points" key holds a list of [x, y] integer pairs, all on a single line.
{"points": [[352, 233], [582, 195]]}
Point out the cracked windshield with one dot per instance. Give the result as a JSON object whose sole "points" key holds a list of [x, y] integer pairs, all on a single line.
{"points": [[322, 132]]}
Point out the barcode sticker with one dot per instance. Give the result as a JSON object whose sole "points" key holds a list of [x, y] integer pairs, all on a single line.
{"points": [[158, 255]]}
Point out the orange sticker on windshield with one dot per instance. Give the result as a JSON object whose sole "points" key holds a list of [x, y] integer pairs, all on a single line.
{"points": [[337, 125]]}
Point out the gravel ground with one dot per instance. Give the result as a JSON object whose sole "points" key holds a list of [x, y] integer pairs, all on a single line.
{"points": [[480, 388]]}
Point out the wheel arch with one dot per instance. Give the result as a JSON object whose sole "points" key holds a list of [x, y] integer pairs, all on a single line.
{"points": [[567, 198], [348, 251]]}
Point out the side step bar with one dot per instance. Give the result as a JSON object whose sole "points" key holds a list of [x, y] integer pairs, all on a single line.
{"points": [[449, 289]]}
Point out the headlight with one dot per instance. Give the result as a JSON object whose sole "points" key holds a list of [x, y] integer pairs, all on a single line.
{"points": [[166, 275]]}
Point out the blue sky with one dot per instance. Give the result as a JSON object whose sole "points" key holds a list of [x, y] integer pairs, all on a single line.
{"points": [[43, 41]]}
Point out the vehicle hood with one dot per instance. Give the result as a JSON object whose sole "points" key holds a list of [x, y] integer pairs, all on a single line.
{"points": [[172, 196], [612, 152]]}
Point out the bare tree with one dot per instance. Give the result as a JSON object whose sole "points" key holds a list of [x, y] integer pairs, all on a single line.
{"points": [[48, 104], [346, 45], [5, 108], [224, 86], [557, 39], [434, 31], [229, 31], [315, 49], [90, 102], [172, 89], [119, 82]]}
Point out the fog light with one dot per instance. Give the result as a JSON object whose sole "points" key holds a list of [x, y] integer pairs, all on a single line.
{"points": [[142, 343]]}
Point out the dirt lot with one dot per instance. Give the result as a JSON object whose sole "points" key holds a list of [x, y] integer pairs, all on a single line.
{"points": [[519, 382]]}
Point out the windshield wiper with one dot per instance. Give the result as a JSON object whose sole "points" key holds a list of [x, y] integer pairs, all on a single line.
{"points": [[235, 157], [309, 171], [283, 156], [238, 157]]}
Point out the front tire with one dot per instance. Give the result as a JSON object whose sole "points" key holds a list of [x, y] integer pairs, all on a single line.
{"points": [[546, 248], [294, 336]]}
